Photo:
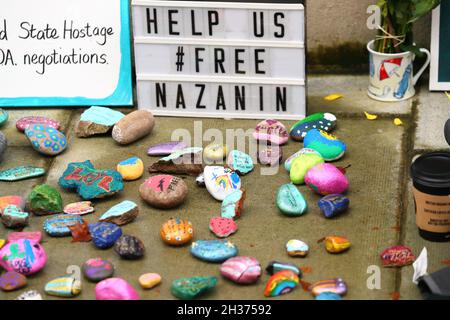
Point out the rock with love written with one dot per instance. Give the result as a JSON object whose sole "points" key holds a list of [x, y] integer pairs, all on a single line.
{"points": [[89, 182]]}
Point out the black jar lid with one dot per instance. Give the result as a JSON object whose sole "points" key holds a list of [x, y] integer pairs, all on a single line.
{"points": [[432, 170]]}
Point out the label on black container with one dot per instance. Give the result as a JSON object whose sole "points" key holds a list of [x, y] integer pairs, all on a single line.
{"points": [[432, 212]]}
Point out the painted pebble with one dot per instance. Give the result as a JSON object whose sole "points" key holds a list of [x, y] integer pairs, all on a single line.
{"points": [[3, 117], [2, 243], [165, 149], [104, 234], [90, 183], [242, 270], [133, 127], [288, 162], [326, 144], [44, 200], [302, 164], [336, 244], [25, 122], [240, 162], [281, 283], [277, 266], [186, 161], [11, 200], [191, 288], [13, 217], [131, 169], [333, 205], [59, 225], [177, 232], [33, 236], [164, 191], [272, 131], [11, 280], [129, 247], [290, 200], [222, 227], [79, 208], [97, 269], [328, 296], [221, 182], [323, 121], [46, 140], [97, 120], [64, 287], [21, 173], [336, 286], [23, 256], [115, 289], [326, 179], [122, 213], [232, 204], [149, 280], [270, 156], [30, 295], [297, 248], [215, 152], [397, 256], [213, 250], [3, 145]]}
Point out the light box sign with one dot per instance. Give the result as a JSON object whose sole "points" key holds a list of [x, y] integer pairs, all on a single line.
{"points": [[65, 53], [220, 59]]}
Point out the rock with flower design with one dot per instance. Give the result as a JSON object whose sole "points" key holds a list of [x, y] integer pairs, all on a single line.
{"points": [[272, 131], [46, 140], [23, 123], [213, 250]]}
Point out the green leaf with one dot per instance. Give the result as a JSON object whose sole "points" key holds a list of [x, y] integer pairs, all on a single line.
{"points": [[422, 8]]}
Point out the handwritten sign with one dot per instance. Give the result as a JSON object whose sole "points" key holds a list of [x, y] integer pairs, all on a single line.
{"points": [[440, 48], [220, 59], [65, 53]]}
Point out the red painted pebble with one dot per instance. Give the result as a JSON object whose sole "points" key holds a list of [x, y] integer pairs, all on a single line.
{"points": [[222, 227], [397, 256]]}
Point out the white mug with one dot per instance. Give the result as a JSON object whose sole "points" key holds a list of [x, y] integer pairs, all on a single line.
{"points": [[391, 74]]}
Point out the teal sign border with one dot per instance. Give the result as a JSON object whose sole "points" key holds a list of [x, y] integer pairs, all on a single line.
{"points": [[122, 96]]}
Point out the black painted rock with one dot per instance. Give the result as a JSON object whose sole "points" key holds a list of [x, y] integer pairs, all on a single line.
{"points": [[129, 247]]}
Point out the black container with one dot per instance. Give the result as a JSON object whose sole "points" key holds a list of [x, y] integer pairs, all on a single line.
{"points": [[431, 179], [447, 131]]}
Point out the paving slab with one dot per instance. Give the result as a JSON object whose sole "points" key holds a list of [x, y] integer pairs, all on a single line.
{"points": [[375, 155]]}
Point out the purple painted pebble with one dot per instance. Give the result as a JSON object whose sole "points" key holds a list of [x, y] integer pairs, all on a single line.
{"points": [[165, 149], [97, 269]]}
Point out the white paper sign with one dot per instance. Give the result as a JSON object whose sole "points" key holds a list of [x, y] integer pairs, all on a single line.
{"points": [[219, 59]]}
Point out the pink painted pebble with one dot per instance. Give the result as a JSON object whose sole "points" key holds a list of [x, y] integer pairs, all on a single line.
{"points": [[326, 179], [33, 236], [270, 156], [23, 123], [79, 208], [23, 256], [242, 270], [272, 131], [115, 289], [222, 227]]}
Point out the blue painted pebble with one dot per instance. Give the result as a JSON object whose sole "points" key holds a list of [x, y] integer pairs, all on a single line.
{"points": [[213, 250], [240, 162], [45, 139], [333, 205], [58, 226], [328, 296], [104, 234], [326, 144]]}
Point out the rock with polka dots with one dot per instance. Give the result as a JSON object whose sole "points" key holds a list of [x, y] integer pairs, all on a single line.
{"points": [[45, 139]]}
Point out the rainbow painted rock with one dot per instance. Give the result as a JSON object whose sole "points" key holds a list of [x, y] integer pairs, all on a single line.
{"points": [[164, 191], [290, 200], [131, 169], [333, 205], [25, 122], [44, 200], [33, 236], [277, 266], [11, 280], [215, 151], [45, 139], [232, 204], [79, 208], [63, 287], [23, 256], [281, 283], [302, 164], [21, 173], [336, 244], [97, 269], [177, 232], [221, 182], [213, 250], [11, 200], [326, 179], [323, 121], [336, 286], [89, 182], [149, 280], [272, 131], [328, 296], [165, 149], [122, 213], [59, 225], [104, 234], [242, 270], [288, 162], [115, 289], [270, 156], [13, 217], [191, 288], [297, 248], [97, 120], [240, 162], [397, 256], [222, 227], [326, 144]]}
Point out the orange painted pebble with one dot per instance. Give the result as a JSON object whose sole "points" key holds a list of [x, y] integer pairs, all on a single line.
{"points": [[177, 232], [149, 280]]}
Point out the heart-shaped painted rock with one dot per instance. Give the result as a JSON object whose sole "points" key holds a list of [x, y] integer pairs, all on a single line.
{"points": [[221, 182], [79, 208], [23, 256], [213, 250], [326, 179], [131, 169], [97, 269], [97, 120], [242, 270], [240, 162], [326, 144], [333, 205], [89, 182], [397, 256], [59, 225], [323, 121], [232, 204], [272, 131], [164, 191], [11, 200], [21, 173], [177, 232], [270, 156], [115, 289], [104, 234], [122, 213], [33, 236], [64, 287], [288, 162], [165, 149], [222, 227], [13, 217], [290, 200], [25, 122], [44, 200], [302, 164], [281, 283], [186, 161], [215, 152], [191, 288], [337, 286], [46, 140], [297, 248]]}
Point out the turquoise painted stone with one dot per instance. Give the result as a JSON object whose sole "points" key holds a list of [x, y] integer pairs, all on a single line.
{"points": [[240, 162], [277, 266], [102, 115], [58, 226], [122, 213], [64, 287], [104, 234], [191, 288], [326, 144], [328, 296], [45, 139], [323, 121], [3, 117], [213, 250], [290, 201], [21, 173], [288, 162], [89, 182], [232, 204], [13, 217], [333, 205]]}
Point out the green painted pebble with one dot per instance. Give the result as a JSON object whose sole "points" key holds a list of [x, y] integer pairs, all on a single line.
{"points": [[302, 164], [290, 201], [191, 288], [21, 173], [44, 200]]}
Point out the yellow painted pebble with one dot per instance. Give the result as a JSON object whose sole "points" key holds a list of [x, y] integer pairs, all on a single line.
{"points": [[131, 169], [149, 280], [2, 243], [215, 151]]}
